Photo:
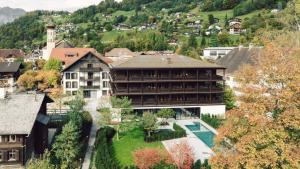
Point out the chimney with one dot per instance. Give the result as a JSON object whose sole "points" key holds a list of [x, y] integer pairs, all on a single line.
{"points": [[2, 93]]}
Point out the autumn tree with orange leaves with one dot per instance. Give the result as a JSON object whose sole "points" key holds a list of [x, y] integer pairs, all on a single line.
{"points": [[264, 131], [147, 158], [182, 155]]}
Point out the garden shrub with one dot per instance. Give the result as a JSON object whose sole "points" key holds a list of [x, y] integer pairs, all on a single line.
{"points": [[166, 134], [105, 157], [212, 120]]}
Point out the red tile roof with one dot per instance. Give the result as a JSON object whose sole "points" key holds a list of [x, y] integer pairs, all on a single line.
{"points": [[71, 55]]}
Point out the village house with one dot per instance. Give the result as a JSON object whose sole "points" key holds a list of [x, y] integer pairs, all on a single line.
{"points": [[9, 74], [214, 53], [119, 53], [23, 128], [83, 68], [10, 55], [213, 28], [235, 59], [235, 26]]}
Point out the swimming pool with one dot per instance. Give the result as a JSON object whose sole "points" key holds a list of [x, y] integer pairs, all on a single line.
{"points": [[203, 133]]}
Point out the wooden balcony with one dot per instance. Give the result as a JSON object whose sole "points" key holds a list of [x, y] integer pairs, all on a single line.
{"points": [[90, 87], [93, 69]]}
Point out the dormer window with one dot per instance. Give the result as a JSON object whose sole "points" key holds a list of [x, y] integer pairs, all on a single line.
{"points": [[89, 65], [12, 138]]}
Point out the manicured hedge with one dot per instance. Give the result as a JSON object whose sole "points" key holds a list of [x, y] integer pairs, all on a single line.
{"points": [[105, 157], [212, 120], [165, 134]]}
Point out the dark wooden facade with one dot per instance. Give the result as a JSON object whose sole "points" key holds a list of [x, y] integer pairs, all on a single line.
{"points": [[17, 149], [169, 86]]}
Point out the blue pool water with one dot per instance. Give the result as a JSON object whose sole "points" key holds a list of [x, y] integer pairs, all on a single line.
{"points": [[203, 133]]}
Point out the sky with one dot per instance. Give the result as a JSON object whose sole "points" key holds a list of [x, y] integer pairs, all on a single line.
{"points": [[30, 5]]}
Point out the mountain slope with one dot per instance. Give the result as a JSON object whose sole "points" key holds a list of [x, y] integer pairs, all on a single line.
{"points": [[10, 14]]}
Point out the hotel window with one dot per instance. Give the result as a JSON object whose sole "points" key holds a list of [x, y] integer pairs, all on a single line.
{"points": [[12, 138], [68, 76], [12, 155], [213, 53], [74, 76], [104, 75], [90, 75], [89, 65], [74, 93], [68, 85], [105, 84], [74, 85], [1, 156], [89, 84]]}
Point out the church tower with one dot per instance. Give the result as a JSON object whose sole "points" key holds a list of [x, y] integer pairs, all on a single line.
{"points": [[51, 37]]}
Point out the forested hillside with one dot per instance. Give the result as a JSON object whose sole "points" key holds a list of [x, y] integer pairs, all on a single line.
{"points": [[183, 25]]}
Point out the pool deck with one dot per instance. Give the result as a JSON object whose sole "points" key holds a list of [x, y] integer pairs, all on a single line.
{"points": [[200, 149]]}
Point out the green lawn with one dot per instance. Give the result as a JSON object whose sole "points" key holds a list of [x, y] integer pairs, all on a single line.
{"points": [[108, 37], [128, 143]]}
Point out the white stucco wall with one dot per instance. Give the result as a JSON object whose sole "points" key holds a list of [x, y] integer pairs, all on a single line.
{"points": [[218, 110]]}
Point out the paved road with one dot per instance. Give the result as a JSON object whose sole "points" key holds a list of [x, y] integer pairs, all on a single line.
{"points": [[91, 107]]}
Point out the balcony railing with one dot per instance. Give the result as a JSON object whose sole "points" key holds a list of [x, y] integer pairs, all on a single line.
{"points": [[89, 79], [90, 87], [160, 78], [93, 69]]}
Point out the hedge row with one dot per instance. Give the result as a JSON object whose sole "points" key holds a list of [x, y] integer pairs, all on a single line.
{"points": [[105, 157], [166, 134]]}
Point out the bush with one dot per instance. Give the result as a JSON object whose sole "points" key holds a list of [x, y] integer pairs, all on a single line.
{"points": [[105, 157], [166, 134], [212, 120]]}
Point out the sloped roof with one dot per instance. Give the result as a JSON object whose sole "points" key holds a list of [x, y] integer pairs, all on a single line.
{"points": [[162, 61], [117, 52], [69, 56], [63, 44], [238, 57], [18, 113], [9, 67], [7, 53]]}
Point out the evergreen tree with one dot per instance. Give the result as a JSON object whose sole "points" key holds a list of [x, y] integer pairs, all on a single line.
{"points": [[203, 42], [192, 41], [229, 98], [211, 19], [66, 146], [213, 41]]}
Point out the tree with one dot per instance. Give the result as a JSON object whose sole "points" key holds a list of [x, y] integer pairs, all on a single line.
{"points": [[27, 80], [264, 129], [213, 41], [124, 104], [192, 41], [108, 27], [106, 116], [165, 114], [211, 19], [53, 64], [203, 42], [182, 155], [223, 38], [229, 98], [67, 147], [149, 122], [147, 158], [42, 163], [77, 104]]}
